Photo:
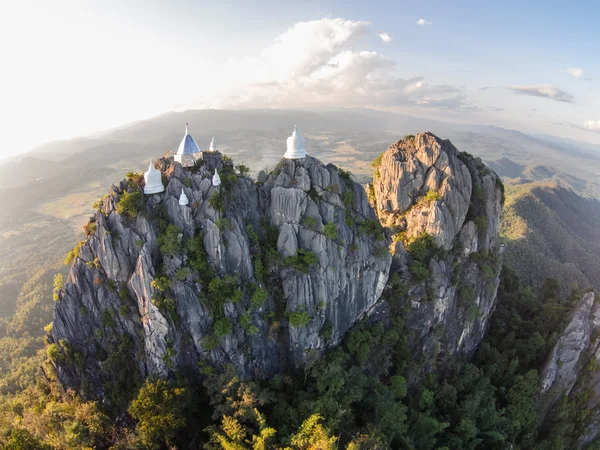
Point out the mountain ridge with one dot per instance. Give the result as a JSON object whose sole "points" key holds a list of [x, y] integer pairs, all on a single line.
{"points": [[289, 285]]}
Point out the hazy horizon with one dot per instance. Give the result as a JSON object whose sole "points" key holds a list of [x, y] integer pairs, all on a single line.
{"points": [[98, 134]]}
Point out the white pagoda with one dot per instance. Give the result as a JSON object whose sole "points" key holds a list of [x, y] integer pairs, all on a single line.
{"points": [[295, 146], [216, 179], [188, 151], [153, 180], [183, 200]]}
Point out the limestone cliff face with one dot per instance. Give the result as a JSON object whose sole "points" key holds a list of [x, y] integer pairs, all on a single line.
{"points": [[257, 275], [426, 190], [573, 368], [265, 274]]}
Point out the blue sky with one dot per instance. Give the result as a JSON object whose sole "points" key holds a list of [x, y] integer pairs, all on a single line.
{"points": [[82, 66]]}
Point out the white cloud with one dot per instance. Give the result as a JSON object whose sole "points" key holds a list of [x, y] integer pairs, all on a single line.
{"points": [[543, 90], [385, 37], [414, 86], [423, 22], [317, 63], [592, 125], [575, 72]]}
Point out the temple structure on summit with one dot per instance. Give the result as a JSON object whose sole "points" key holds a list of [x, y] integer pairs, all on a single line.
{"points": [[188, 151], [216, 179], [153, 180], [295, 146]]}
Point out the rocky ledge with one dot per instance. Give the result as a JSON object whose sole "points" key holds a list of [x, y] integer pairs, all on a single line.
{"points": [[572, 371]]}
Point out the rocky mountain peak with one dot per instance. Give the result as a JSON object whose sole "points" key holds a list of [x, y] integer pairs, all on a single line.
{"points": [[264, 275], [250, 274], [423, 184]]}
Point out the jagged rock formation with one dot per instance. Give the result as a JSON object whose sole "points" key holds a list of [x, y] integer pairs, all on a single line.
{"points": [[251, 274], [264, 275], [573, 368], [423, 187]]}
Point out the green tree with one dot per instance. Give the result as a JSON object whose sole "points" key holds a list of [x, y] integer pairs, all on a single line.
{"points": [[160, 412], [21, 439], [312, 435], [130, 203], [58, 284], [169, 241], [331, 231]]}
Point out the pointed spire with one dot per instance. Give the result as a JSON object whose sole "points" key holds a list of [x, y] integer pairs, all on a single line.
{"points": [[295, 129], [187, 146], [213, 146], [151, 166]]}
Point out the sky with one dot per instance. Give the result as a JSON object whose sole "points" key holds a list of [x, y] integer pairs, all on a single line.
{"points": [[74, 67]]}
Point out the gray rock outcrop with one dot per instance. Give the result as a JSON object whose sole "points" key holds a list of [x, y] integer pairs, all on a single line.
{"points": [[255, 275], [573, 367], [426, 190], [265, 275]]}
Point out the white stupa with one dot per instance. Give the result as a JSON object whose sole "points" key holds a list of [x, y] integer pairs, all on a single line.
{"points": [[188, 150], [183, 200], [213, 146], [216, 179], [153, 180], [295, 146]]}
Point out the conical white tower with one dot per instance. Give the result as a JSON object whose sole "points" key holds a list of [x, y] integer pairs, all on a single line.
{"points": [[216, 179], [183, 200], [153, 180], [295, 146]]}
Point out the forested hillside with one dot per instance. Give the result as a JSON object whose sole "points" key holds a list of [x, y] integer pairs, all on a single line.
{"points": [[551, 231]]}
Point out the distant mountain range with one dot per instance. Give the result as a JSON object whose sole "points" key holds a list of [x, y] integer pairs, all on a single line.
{"points": [[259, 135]]}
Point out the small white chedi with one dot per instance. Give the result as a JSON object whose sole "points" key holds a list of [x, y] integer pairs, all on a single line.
{"points": [[216, 179], [153, 180], [213, 146], [295, 146], [188, 150], [183, 200]]}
